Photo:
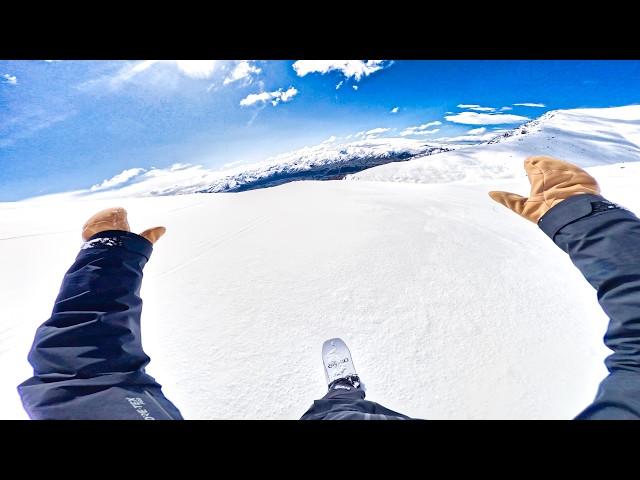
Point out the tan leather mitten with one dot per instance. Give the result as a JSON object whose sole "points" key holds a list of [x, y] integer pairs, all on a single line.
{"points": [[116, 219], [552, 181]]}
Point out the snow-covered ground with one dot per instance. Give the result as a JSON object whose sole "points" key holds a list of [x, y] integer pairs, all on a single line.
{"points": [[430, 284]]}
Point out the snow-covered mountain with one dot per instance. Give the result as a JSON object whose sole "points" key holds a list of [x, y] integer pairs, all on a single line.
{"points": [[586, 137], [327, 161], [324, 162]]}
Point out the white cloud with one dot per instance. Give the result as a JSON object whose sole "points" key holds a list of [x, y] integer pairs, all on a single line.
{"points": [[477, 131], [373, 133], [355, 87], [477, 108], [274, 97], [196, 68], [331, 139], [10, 79], [289, 94], [232, 164], [339, 84], [376, 131], [165, 73], [355, 69], [424, 132], [472, 118], [242, 71], [394, 110], [539, 105], [256, 97], [420, 129], [122, 177], [179, 166], [504, 109]]}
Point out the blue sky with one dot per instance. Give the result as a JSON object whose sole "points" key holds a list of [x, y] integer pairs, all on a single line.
{"points": [[67, 125]]}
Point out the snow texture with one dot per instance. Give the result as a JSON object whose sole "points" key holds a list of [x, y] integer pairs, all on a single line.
{"points": [[452, 306]]}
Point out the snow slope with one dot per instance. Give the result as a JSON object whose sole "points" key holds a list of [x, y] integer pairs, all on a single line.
{"points": [[586, 137], [453, 306], [430, 285]]}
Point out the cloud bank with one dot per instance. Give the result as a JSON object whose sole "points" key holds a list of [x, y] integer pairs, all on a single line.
{"points": [[274, 97], [420, 129], [473, 118], [10, 79], [477, 108], [355, 69], [538, 105], [118, 179], [242, 71]]}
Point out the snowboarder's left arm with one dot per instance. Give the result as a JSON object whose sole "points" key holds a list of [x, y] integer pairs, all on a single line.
{"points": [[87, 358]]}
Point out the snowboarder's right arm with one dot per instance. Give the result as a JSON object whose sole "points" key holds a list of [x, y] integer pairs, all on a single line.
{"points": [[603, 242]]}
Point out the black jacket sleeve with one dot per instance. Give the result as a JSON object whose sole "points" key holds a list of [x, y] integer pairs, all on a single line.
{"points": [[603, 242], [87, 358]]}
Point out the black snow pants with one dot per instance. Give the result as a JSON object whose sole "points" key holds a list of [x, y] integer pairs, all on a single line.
{"points": [[344, 403]]}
